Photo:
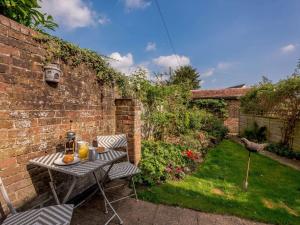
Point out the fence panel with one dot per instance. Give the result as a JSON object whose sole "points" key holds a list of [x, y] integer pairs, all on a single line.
{"points": [[274, 128]]}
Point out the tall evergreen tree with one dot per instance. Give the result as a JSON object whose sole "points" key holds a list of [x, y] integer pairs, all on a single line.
{"points": [[186, 75]]}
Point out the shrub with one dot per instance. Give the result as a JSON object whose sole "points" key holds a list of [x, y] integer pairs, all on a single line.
{"points": [[256, 133], [161, 161], [215, 128], [280, 99], [283, 150], [214, 106]]}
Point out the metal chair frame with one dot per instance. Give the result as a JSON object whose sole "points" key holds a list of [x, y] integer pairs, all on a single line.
{"points": [[124, 144], [30, 214]]}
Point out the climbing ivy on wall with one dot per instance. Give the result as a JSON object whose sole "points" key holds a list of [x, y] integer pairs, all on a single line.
{"points": [[58, 49]]}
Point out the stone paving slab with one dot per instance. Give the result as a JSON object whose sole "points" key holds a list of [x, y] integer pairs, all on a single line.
{"points": [[144, 213]]}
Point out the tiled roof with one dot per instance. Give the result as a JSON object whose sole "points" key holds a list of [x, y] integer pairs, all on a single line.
{"points": [[228, 93]]}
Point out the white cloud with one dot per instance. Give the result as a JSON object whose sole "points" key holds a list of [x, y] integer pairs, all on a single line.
{"points": [[288, 48], [103, 20], [136, 4], [171, 61], [209, 72], [151, 46], [69, 13], [125, 64], [224, 65], [121, 63], [218, 68]]}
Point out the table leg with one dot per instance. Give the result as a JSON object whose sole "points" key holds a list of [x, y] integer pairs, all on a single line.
{"points": [[105, 199], [51, 183], [66, 198]]}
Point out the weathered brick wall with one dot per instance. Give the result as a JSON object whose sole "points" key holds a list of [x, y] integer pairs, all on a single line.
{"points": [[274, 128], [128, 121], [232, 122], [34, 115]]}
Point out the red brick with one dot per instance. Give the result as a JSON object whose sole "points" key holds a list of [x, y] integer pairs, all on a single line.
{"points": [[12, 170], [4, 59], [9, 50], [4, 68], [7, 162], [6, 124]]}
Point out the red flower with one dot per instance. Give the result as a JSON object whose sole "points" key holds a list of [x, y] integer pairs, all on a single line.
{"points": [[190, 154]]}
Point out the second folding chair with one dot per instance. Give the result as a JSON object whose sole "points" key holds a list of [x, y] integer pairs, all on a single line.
{"points": [[122, 169], [52, 215]]}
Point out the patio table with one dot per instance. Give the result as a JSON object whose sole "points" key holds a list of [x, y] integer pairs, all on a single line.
{"points": [[80, 170]]}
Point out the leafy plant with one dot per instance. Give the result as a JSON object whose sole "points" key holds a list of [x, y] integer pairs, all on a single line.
{"points": [[214, 106], [161, 161], [215, 128], [27, 13], [256, 133], [281, 99], [283, 150], [60, 50]]}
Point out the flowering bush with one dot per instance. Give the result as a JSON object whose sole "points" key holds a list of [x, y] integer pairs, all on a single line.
{"points": [[161, 161], [191, 155]]}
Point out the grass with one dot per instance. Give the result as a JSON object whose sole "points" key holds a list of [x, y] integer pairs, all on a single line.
{"points": [[273, 194]]}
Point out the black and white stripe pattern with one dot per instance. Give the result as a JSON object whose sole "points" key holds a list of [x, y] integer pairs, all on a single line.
{"points": [[111, 155], [79, 169], [52, 215], [112, 141], [121, 170]]}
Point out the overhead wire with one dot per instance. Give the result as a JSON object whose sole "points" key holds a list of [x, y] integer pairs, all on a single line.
{"points": [[167, 31]]}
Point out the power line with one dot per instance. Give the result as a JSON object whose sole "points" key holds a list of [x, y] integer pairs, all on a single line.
{"points": [[167, 31]]}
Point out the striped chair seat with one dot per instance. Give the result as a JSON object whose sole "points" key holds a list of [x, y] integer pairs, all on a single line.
{"points": [[52, 215], [121, 170]]}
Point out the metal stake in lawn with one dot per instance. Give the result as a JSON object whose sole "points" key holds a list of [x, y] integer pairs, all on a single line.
{"points": [[251, 147], [247, 174]]}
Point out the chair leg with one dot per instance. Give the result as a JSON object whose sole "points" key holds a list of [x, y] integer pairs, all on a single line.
{"points": [[108, 203], [105, 204], [105, 207], [133, 185]]}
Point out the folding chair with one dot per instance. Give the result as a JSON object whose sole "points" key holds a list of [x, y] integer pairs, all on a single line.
{"points": [[52, 215], [118, 170]]}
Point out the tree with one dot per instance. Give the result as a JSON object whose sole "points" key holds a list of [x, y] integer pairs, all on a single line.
{"points": [[27, 13], [186, 75], [281, 99]]}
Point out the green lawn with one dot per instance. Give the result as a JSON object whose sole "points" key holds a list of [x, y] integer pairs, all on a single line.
{"points": [[273, 194]]}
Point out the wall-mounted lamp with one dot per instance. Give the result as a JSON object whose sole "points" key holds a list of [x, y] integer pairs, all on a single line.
{"points": [[52, 73]]}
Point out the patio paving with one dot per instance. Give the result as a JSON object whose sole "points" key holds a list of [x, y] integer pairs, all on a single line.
{"points": [[144, 213]]}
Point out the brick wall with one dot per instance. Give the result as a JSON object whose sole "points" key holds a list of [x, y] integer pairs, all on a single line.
{"points": [[128, 121], [34, 115], [274, 128], [232, 122]]}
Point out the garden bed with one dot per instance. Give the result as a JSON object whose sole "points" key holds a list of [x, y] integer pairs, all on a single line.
{"points": [[273, 194]]}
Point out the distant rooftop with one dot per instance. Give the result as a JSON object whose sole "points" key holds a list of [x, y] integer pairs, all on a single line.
{"points": [[239, 86], [225, 93]]}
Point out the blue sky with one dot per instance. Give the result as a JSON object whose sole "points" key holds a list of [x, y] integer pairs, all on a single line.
{"points": [[228, 41]]}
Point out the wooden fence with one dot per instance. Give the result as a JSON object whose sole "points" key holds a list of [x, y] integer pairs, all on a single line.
{"points": [[274, 128]]}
